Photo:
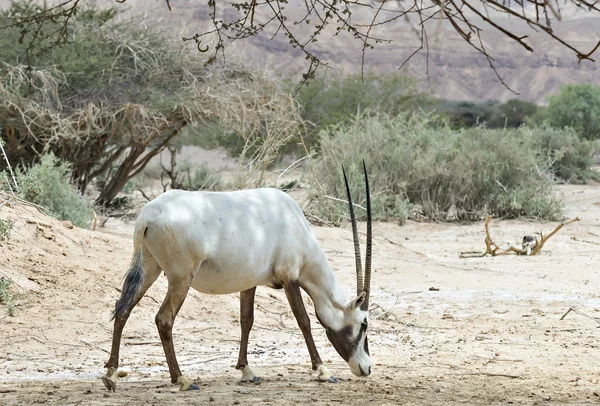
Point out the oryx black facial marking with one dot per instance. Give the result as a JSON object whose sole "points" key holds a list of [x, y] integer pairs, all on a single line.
{"points": [[343, 341]]}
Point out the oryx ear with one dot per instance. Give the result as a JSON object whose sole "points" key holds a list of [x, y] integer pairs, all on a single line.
{"points": [[354, 303]]}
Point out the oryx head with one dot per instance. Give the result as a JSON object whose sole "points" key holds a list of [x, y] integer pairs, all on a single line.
{"points": [[351, 341]]}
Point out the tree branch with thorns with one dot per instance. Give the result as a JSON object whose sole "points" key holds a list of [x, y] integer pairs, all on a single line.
{"points": [[367, 22]]}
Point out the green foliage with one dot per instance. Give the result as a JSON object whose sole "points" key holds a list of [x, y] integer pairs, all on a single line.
{"points": [[569, 157], [202, 179], [330, 100], [7, 297], [104, 61], [578, 107], [47, 184], [445, 174], [512, 114], [5, 228], [120, 91]]}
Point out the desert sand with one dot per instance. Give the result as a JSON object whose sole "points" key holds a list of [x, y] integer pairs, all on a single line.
{"points": [[488, 333]]}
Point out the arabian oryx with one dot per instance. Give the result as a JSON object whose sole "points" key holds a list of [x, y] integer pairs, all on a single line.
{"points": [[230, 242]]}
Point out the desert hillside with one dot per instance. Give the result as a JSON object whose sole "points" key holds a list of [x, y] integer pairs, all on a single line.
{"points": [[451, 69]]}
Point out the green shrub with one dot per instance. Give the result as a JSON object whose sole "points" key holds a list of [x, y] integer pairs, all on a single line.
{"points": [[569, 157], [460, 114], [5, 228], [331, 100], [7, 297], [446, 174], [578, 107], [201, 178], [47, 184]]}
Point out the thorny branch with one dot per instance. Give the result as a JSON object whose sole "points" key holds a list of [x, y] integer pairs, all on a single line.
{"points": [[367, 22]]}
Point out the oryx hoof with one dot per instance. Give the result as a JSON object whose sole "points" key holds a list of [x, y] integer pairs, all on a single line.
{"points": [[248, 375], [185, 384], [325, 375], [110, 379], [109, 383]]}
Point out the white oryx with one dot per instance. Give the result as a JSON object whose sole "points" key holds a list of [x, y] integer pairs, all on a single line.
{"points": [[230, 242]]}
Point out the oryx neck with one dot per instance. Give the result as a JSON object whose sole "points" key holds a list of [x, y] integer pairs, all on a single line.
{"points": [[327, 294]]}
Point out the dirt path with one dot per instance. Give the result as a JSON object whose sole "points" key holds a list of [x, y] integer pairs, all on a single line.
{"points": [[490, 335]]}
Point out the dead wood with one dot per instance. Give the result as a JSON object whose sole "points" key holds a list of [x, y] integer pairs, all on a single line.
{"points": [[530, 244], [596, 319]]}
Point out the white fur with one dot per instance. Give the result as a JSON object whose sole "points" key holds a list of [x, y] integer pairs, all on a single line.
{"points": [[233, 241]]}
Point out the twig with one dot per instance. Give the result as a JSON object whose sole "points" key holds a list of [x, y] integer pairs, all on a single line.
{"points": [[390, 241], [24, 202], [596, 319], [586, 241], [143, 343], [94, 346], [9, 167], [492, 374], [293, 164], [144, 194], [473, 254], [344, 201], [95, 221]]}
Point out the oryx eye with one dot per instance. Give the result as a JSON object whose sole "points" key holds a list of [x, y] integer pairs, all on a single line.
{"points": [[364, 326]]}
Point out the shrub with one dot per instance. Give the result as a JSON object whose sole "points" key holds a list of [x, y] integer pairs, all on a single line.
{"points": [[576, 106], [330, 100], [202, 179], [47, 184], [569, 157], [446, 174], [5, 228], [7, 296], [512, 114]]}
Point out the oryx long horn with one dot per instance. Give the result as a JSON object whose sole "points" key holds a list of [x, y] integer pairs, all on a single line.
{"points": [[359, 276], [367, 284]]}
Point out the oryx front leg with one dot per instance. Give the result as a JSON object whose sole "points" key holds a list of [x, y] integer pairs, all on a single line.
{"points": [[292, 291], [246, 321], [165, 318]]}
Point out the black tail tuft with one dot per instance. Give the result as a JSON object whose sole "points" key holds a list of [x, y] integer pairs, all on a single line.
{"points": [[131, 285]]}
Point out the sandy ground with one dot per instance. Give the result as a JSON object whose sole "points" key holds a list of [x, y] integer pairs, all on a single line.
{"points": [[491, 334]]}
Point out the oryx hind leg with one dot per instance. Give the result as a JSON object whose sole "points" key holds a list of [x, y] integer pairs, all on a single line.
{"points": [[142, 274], [246, 322], [294, 296], [176, 294]]}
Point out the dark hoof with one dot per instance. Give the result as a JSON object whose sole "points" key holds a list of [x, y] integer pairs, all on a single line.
{"points": [[109, 383], [256, 379], [333, 379], [193, 387]]}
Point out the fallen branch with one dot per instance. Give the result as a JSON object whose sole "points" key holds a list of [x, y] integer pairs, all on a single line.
{"points": [[586, 241], [596, 319], [12, 174], [530, 244], [95, 222], [144, 343], [492, 374]]}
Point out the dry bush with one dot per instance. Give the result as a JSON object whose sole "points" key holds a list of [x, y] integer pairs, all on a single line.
{"points": [[140, 93], [445, 174]]}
